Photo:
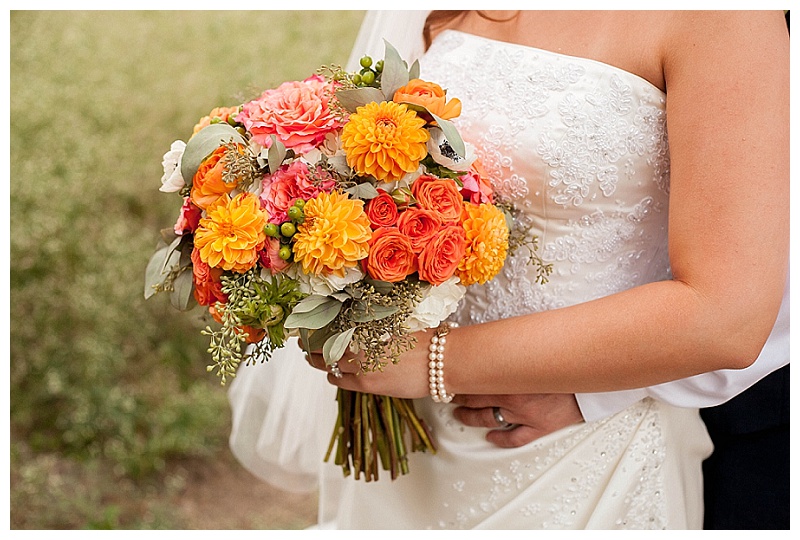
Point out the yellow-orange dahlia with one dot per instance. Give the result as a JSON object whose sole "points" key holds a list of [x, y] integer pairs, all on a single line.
{"points": [[232, 233], [334, 236], [487, 243], [385, 140]]}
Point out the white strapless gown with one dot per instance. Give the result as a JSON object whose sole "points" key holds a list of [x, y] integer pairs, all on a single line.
{"points": [[581, 148]]}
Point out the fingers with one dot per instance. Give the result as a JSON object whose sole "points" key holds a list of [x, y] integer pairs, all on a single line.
{"points": [[345, 366], [481, 417], [513, 438]]}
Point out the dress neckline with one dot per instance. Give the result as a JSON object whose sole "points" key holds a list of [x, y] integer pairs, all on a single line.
{"points": [[557, 54]]}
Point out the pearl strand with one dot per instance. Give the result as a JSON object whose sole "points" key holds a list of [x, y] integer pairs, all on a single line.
{"points": [[436, 364]]}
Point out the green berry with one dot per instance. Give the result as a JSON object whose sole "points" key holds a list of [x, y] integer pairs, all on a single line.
{"points": [[357, 79], [368, 77], [271, 230], [288, 229], [366, 61], [295, 213], [232, 119], [379, 66], [285, 253], [300, 203]]}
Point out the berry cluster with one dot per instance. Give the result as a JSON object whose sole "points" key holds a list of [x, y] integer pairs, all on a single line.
{"points": [[286, 230], [369, 75]]}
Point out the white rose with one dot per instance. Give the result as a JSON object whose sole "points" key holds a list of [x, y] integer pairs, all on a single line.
{"points": [[324, 285], [442, 153], [172, 180], [439, 303]]}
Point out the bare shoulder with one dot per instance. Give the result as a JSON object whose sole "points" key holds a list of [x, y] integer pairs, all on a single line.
{"points": [[747, 42]]}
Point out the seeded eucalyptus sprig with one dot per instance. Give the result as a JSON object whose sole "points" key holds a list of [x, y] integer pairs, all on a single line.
{"points": [[256, 302], [521, 236]]}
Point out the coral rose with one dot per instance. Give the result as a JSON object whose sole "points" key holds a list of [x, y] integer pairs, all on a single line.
{"points": [[440, 195], [289, 183], [232, 233], [487, 243], [384, 140], [382, 210], [441, 256], [429, 95], [207, 185], [207, 284], [296, 112], [334, 235], [390, 256], [189, 218], [420, 226]]}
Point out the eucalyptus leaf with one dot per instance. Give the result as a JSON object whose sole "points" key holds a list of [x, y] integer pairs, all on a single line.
{"points": [[453, 137], [413, 73], [334, 347], [317, 338], [364, 191], [168, 258], [309, 302], [361, 315], [276, 154], [181, 295], [153, 274], [383, 287], [316, 318], [354, 98], [202, 144], [395, 71]]}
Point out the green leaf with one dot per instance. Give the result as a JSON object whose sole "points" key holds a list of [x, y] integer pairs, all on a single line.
{"points": [[317, 338], [413, 73], [383, 287], [317, 317], [168, 258], [365, 191], [153, 274], [354, 98], [181, 295], [309, 302], [395, 72], [276, 154], [360, 314], [453, 137], [336, 345], [202, 144]]}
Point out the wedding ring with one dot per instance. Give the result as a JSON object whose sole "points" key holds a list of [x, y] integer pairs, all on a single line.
{"points": [[335, 371], [501, 422]]}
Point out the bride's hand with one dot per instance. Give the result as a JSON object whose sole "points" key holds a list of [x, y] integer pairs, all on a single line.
{"points": [[535, 415], [408, 378]]}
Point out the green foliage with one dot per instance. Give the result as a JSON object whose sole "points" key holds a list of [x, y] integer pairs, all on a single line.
{"points": [[97, 373]]}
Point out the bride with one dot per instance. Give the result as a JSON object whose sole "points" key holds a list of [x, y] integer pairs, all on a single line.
{"points": [[568, 113]]}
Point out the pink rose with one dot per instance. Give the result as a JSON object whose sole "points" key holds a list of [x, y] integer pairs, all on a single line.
{"points": [[476, 186], [189, 218], [296, 112], [270, 258], [289, 183]]}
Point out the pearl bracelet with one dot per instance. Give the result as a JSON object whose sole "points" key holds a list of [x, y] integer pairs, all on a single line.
{"points": [[436, 364]]}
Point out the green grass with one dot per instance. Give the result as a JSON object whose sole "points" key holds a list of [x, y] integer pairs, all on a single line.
{"points": [[104, 384]]}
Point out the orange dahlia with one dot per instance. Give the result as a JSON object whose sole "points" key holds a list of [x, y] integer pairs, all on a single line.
{"points": [[384, 140], [232, 233], [487, 243], [334, 236]]}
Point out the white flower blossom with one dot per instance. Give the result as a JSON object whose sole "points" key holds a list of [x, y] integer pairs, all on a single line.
{"points": [[442, 153], [172, 180], [439, 303], [324, 285]]}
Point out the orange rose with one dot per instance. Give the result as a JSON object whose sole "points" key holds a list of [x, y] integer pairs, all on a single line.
{"points": [[390, 256], [420, 226], [429, 95], [382, 210], [440, 258], [207, 185], [207, 284], [440, 195], [217, 112]]}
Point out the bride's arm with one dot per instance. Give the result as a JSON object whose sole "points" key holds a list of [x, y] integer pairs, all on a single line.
{"points": [[727, 85]]}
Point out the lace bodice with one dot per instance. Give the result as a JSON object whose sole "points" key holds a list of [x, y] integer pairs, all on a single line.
{"points": [[580, 148]]}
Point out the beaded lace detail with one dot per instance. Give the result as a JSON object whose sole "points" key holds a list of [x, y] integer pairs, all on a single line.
{"points": [[580, 147]]}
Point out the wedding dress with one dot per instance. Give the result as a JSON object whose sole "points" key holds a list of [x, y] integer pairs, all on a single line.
{"points": [[580, 147]]}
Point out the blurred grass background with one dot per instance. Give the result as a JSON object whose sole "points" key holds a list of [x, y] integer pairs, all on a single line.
{"points": [[109, 395]]}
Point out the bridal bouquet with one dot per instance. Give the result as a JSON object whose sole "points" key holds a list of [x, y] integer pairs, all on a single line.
{"points": [[344, 209]]}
